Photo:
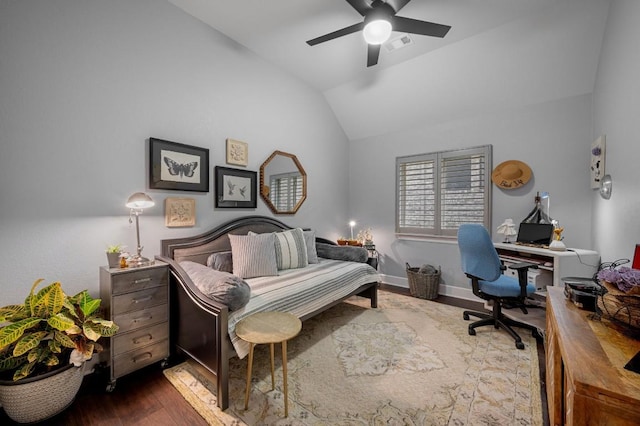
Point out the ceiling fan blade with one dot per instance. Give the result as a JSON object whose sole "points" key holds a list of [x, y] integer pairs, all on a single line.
{"points": [[414, 26], [362, 6], [339, 33], [397, 4], [373, 51]]}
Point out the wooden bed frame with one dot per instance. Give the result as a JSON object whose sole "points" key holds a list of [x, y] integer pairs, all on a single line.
{"points": [[199, 325]]}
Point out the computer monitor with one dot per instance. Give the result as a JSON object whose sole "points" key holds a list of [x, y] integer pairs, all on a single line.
{"points": [[535, 233]]}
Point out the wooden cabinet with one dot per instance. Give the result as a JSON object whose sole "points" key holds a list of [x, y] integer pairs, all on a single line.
{"points": [[137, 300], [585, 376]]}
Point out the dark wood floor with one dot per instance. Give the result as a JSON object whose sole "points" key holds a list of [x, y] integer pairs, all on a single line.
{"points": [[147, 398]]}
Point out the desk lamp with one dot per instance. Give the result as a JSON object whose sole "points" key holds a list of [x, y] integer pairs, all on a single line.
{"points": [[137, 203], [352, 224]]}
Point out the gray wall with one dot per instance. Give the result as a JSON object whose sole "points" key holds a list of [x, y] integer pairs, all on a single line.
{"points": [[616, 222], [549, 137], [83, 85]]}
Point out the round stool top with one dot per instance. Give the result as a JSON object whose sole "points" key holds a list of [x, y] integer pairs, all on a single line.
{"points": [[268, 327]]}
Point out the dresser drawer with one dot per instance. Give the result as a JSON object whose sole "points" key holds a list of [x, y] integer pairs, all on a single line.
{"points": [[139, 300], [131, 361], [139, 338], [138, 280], [144, 318]]}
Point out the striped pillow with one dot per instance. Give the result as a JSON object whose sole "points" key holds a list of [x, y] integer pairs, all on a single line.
{"points": [[291, 249], [253, 255]]}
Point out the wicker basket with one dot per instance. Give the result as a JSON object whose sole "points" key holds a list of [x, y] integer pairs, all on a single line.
{"points": [[421, 285], [621, 307]]}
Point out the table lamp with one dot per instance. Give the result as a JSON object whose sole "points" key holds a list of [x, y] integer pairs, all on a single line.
{"points": [[352, 224], [137, 203], [508, 229]]}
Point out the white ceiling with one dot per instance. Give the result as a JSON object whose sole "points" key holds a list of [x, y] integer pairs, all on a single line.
{"points": [[498, 54]]}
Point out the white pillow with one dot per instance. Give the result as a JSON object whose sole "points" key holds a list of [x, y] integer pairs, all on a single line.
{"points": [[310, 240], [291, 249], [253, 255]]}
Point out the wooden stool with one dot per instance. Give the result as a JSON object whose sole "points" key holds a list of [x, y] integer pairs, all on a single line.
{"points": [[268, 327]]}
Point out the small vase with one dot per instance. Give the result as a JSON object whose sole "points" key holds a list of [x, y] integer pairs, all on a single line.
{"points": [[114, 260], [557, 245]]}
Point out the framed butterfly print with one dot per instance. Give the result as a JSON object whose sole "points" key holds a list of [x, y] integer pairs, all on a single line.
{"points": [[177, 166], [235, 188]]}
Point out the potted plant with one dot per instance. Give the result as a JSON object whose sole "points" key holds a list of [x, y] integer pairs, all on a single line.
{"points": [[113, 255], [44, 343]]}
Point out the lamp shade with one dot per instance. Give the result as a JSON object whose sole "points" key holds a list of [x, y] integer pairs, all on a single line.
{"points": [[140, 200], [377, 31]]}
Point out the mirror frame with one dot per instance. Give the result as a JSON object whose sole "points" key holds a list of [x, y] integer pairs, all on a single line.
{"points": [[265, 194]]}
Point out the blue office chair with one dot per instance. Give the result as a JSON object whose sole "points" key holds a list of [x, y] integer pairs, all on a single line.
{"points": [[480, 262]]}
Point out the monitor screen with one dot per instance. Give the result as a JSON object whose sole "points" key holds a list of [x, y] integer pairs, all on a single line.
{"points": [[535, 233]]}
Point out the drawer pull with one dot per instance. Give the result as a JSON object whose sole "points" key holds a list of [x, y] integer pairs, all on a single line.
{"points": [[145, 338], [142, 280], [142, 319], [143, 299], [142, 357]]}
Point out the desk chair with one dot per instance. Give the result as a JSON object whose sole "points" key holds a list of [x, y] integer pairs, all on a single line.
{"points": [[480, 262]]}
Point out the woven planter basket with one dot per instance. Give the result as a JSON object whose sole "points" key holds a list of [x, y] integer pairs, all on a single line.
{"points": [[621, 307], [41, 397], [423, 286]]}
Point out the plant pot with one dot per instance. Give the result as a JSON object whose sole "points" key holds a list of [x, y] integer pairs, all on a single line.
{"points": [[40, 397], [114, 260]]}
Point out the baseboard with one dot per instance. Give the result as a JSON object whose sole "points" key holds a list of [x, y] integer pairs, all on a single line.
{"points": [[444, 290]]}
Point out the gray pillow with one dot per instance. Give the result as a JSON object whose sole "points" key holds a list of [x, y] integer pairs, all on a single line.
{"points": [[221, 261], [348, 253], [222, 287], [310, 241], [253, 255]]}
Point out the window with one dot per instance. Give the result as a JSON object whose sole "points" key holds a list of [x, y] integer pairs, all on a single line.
{"points": [[437, 192], [286, 190]]}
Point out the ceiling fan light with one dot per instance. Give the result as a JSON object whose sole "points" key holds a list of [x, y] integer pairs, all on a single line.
{"points": [[377, 32]]}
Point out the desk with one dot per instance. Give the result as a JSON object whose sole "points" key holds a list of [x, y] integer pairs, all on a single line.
{"points": [[578, 262], [586, 381]]}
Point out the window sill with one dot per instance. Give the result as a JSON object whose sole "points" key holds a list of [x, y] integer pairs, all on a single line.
{"points": [[445, 239]]}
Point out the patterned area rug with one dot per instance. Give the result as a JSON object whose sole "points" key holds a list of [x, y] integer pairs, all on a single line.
{"points": [[409, 362]]}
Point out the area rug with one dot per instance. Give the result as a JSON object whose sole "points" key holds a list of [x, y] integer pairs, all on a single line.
{"points": [[408, 362]]}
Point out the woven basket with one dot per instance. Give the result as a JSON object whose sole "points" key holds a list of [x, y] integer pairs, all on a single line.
{"points": [[621, 307], [40, 397], [423, 286]]}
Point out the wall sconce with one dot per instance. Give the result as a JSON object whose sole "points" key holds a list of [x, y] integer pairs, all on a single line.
{"points": [[137, 203], [606, 186]]}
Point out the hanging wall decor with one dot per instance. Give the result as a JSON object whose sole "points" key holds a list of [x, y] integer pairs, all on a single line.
{"points": [[597, 161], [237, 152], [178, 166], [179, 212]]}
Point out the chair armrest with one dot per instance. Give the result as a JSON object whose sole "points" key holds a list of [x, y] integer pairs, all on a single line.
{"points": [[522, 269]]}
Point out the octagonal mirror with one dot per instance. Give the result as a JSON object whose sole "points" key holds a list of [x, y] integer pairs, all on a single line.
{"points": [[283, 183]]}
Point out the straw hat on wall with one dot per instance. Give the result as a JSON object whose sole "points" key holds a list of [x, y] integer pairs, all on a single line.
{"points": [[511, 174]]}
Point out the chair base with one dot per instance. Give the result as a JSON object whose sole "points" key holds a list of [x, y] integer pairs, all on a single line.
{"points": [[500, 321]]}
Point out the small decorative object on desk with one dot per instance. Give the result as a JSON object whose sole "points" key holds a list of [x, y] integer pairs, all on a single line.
{"points": [[423, 281], [557, 243], [508, 229], [621, 301]]}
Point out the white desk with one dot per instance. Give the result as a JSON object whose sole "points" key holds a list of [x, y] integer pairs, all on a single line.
{"points": [[570, 263]]}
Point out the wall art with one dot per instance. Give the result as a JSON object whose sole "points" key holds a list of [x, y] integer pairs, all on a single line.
{"points": [[178, 166], [237, 152], [597, 161], [179, 212], [235, 188]]}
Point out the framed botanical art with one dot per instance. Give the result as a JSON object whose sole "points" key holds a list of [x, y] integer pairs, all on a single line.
{"points": [[179, 212], [597, 161], [237, 152], [235, 188], [177, 166]]}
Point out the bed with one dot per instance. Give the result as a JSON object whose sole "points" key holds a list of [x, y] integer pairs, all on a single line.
{"points": [[202, 330]]}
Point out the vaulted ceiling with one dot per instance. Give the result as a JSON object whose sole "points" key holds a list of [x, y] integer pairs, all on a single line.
{"points": [[499, 54]]}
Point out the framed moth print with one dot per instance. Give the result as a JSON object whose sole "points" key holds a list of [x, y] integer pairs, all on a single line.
{"points": [[179, 212], [177, 166], [235, 188]]}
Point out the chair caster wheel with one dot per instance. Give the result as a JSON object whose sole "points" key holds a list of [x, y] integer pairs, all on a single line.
{"points": [[472, 331], [465, 316], [519, 345]]}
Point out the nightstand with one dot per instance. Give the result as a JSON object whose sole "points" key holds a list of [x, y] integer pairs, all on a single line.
{"points": [[373, 255], [137, 300]]}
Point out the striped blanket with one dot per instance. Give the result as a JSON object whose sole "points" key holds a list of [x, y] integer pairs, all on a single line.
{"points": [[301, 291]]}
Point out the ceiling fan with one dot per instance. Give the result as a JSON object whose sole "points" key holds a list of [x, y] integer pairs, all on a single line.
{"points": [[379, 20]]}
